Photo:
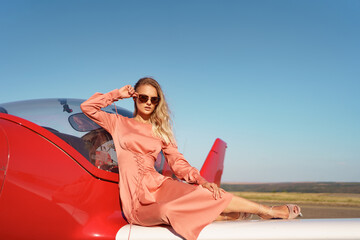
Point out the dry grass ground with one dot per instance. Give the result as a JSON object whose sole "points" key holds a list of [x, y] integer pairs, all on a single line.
{"points": [[328, 199], [313, 205]]}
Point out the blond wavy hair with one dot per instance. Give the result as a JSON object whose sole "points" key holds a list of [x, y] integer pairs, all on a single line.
{"points": [[160, 117]]}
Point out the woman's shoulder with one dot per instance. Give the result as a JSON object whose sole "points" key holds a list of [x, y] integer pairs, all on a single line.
{"points": [[123, 118]]}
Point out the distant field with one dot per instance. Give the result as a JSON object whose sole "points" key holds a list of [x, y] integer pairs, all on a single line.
{"points": [[328, 199], [313, 205], [316, 199]]}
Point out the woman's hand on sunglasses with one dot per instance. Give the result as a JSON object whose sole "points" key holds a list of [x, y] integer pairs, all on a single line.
{"points": [[127, 92]]}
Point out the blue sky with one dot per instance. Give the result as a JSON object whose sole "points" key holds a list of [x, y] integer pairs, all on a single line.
{"points": [[277, 80]]}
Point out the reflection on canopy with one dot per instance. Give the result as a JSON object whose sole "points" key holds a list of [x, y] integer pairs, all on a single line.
{"points": [[64, 118]]}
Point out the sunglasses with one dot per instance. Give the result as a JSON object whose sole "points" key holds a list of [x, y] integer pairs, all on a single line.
{"points": [[144, 98]]}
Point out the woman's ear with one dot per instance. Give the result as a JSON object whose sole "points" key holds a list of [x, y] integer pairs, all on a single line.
{"points": [[134, 98]]}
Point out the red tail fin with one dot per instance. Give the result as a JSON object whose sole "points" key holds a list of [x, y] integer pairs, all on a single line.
{"points": [[213, 166]]}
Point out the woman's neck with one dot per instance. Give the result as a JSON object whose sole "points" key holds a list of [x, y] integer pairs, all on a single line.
{"points": [[142, 119]]}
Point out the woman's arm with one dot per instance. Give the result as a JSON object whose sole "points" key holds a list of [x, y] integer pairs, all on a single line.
{"points": [[92, 106], [180, 167], [183, 170]]}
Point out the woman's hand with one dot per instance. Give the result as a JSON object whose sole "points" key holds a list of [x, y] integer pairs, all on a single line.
{"points": [[127, 92], [212, 187]]}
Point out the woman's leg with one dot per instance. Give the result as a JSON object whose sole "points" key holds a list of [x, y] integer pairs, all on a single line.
{"points": [[239, 204], [233, 216], [228, 216]]}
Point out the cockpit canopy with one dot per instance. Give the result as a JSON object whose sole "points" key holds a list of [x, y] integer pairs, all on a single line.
{"points": [[64, 118]]}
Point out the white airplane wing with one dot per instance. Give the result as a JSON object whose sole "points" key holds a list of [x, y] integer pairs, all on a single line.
{"points": [[256, 229]]}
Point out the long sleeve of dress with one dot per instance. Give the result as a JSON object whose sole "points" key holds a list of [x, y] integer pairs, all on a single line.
{"points": [[92, 109], [181, 168]]}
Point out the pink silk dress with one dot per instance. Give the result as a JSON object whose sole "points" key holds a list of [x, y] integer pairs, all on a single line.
{"points": [[147, 197]]}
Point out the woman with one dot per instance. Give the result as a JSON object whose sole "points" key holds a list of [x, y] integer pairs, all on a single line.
{"points": [[149, 198]]}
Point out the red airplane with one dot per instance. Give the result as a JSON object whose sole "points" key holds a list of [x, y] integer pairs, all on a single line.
{"points": [[59, 180], [59, 173]]}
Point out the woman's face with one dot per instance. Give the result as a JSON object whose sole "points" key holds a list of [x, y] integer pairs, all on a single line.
{"points": [[145, 109]]}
